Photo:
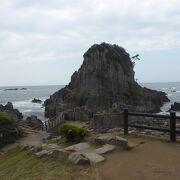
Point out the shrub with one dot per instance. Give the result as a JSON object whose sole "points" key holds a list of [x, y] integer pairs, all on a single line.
{"points": [[7, 120], [73, 133], [9, 131]]}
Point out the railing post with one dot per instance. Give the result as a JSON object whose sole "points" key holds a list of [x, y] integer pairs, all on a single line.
{"points": [[125, 121], [45, 126], [172, 126]]}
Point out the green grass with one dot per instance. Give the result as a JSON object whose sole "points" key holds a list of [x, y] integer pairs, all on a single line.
{"points": [[17, 165], [76, 123]]}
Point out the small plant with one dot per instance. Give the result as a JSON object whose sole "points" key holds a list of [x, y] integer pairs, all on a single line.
{"points": [[73, 133], [7, 120], [9, 130]]}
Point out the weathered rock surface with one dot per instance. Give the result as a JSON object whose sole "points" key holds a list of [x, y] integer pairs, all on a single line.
{"points": [[59, 153], [34, 149], [104, 81], [78, 147], [105, 149], [94, 158], [79, 159], [42, 153], [107, 139], [51, 146], [33, 122], [9, 109]]}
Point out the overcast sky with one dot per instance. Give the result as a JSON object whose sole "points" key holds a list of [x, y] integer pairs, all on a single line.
{"points": [[42, 42]]}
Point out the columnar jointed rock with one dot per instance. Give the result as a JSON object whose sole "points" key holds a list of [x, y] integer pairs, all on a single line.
{"points": [[104, 81]]}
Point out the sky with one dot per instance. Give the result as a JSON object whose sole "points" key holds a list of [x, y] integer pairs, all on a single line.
{"points": [[42, 42]]}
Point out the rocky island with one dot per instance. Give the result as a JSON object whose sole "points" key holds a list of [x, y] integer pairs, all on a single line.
{"points": [[104, 83]]}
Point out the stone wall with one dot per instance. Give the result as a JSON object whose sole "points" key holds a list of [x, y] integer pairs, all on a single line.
{"points": [[77, 114], [105, 122]]}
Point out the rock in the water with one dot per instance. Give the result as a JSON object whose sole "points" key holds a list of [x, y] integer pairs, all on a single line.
{"points": [[175, 107], [78, 147], [94, 157], [105, 149], [36, 101], [104, 81], [78, 159], [22, 89], [11, 89]]}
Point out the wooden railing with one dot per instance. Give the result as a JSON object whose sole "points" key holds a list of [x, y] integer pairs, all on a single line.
{"points": [[50, 124], [171, 130]]}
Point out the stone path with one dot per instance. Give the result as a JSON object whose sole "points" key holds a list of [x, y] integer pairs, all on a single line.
{"points": [[82, 153]]}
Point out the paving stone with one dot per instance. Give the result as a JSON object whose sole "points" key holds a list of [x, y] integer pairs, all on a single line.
{"points": [[102, 139], [94, 157], [59, 153], [52, 146], [78, 147], [79, 159], [119, 141], [105, 149]]}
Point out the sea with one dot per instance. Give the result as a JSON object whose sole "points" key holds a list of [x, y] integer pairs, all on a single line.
{"points": [[22, 99]]}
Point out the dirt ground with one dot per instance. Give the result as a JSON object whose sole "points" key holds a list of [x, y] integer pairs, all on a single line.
{"points": [[151, 160], [33, 138]]}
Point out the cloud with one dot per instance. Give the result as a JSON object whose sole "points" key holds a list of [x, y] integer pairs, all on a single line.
{"points": [[43, 30]]}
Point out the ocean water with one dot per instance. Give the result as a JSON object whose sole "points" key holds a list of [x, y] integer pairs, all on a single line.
{"points": [[172, 89], [21, 99]]}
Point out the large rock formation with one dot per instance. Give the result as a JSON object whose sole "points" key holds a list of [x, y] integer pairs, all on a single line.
{"points": [[105, 81]]}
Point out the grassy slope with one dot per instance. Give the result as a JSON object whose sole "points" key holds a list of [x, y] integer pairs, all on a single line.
{"points": [[16, 164]]}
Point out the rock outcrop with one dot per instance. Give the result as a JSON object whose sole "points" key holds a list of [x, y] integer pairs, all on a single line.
{"points": [[175, 107], [9, 109], [104, 81], [36, 101]]}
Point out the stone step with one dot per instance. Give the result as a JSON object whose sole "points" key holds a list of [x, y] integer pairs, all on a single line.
{"points": [[93, 157], [78, 147], [105, 149]]}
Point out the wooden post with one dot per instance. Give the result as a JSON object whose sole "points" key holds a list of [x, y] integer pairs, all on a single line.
{"points": [[172, 126], [46, 125], [125, 121], [49, 124]]}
